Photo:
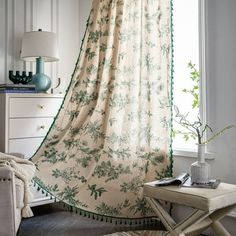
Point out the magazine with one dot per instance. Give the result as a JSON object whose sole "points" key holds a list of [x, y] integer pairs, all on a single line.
{"points": [[184, 180], [178, 180]]}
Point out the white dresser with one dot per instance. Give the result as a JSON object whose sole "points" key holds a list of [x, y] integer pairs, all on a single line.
{"points": [[24, 121]]}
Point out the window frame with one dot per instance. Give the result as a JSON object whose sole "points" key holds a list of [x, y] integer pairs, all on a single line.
{"points": [[203, 73]]}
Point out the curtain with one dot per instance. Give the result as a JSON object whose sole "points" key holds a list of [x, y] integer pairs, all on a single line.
{"points": [[113, 131]]}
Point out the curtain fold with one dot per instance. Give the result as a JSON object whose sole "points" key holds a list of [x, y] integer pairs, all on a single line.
{"points": [[113, 131]]}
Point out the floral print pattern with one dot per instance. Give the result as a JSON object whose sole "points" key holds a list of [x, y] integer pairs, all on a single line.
{"points": [[113, 131]]}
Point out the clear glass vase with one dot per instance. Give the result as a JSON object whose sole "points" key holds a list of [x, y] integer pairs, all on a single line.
{"points": [[200, 170]]}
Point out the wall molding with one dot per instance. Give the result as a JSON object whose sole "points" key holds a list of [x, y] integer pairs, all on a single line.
{"points": [[6, 41], [20, 16]]}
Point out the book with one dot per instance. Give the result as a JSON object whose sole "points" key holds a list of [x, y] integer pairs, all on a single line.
{"points": [[2, 88], [184, 180], [178, 180], [213, 184], [18, 91], [17, 86]]}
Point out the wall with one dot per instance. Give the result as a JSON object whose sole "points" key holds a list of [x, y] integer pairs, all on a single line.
{"points": [[84, 10], [59, 16], [221, 96]]}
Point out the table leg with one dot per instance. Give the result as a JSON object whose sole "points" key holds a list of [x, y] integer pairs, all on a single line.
{"points": [[165, 218], [197, 221], [192, 223], [219, 229], [216, 226]]}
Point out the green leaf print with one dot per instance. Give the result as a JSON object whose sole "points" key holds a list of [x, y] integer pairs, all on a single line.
{"points": [[68, 174], [94, 129], [97, 192], [132, 186], [89, 54], [111, 172], [94, 36], [141, 206], [121, 153], [69, 194], [52, 156], [105, 209]]}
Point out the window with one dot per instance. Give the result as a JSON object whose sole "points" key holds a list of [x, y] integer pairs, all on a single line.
{"points": [[186, 49]]}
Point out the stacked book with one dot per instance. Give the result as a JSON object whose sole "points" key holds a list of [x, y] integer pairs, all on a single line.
{"points": [[184, 180], [17, 88]]}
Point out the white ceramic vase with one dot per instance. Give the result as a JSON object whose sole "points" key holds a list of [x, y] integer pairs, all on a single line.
{"points": [[200, 170]]}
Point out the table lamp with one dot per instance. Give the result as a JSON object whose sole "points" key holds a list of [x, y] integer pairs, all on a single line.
{"points": [[40, 46]]}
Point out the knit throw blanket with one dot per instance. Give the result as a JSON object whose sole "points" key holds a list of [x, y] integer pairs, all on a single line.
{"points": [[17, 165]]}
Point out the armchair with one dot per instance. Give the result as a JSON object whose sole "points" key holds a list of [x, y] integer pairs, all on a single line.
{"points": [[12, 198]]}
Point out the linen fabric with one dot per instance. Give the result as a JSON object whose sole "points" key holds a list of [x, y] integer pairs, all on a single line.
{"points": [[113, 131]]}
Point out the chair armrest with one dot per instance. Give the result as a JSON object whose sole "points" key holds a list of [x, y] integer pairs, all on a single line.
{"points": [[7, 202], [17, 154]]}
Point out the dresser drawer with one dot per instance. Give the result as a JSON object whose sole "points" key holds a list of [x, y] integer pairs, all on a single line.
{"points": [[29, 127], [33, 107], [27, 146]]}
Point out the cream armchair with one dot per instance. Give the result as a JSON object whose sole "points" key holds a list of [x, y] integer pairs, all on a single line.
{"points": [[11, 202], [12, 198]]}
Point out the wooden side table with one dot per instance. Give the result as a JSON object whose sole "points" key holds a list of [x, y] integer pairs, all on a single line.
{"points": [[210, 205]]}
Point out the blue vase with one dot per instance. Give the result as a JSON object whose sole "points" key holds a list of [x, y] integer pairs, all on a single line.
{"points": [[41, 81]]}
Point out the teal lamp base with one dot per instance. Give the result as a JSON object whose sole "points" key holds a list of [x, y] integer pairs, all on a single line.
{"points": [[41, 81]]}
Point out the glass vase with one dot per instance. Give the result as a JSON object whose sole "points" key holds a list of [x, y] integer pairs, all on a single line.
{"points": [[200, 170]]}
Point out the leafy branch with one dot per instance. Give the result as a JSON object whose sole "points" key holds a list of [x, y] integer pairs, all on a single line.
{"points": [[194, 91], [195, 129]]}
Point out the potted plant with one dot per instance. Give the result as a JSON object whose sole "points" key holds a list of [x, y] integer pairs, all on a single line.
{"points": [[196, 129]]}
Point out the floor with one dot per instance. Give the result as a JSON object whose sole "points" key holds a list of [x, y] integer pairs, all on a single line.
{"points": [[51, 220]]}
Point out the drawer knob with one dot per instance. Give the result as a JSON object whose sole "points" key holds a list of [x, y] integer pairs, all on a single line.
{"points": [[41, 106], [42, 127]]}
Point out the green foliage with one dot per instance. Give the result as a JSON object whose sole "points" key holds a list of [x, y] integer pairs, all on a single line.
{"points": [[141, 206], [49, 188], [94, 36], [194, 91], [111, 172], [52, 156], [194, 129], [131, 186], [94, 130], [69, 195], [83, 98], [120, 101], [97, 192], [105, 209], [120, 153], [89, 54]]}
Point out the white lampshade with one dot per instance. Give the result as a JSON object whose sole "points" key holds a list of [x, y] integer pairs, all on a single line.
{"points": [[39, 44]]}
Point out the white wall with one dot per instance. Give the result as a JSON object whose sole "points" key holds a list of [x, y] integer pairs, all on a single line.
{"points": [[84, 11], [59, 16]]}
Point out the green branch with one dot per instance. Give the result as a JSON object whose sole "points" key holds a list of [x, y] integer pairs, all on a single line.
{"points": [[196, 129], [219, 133]]}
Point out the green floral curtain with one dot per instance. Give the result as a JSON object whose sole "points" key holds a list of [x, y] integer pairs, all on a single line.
{"points": [[113, 131]]}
